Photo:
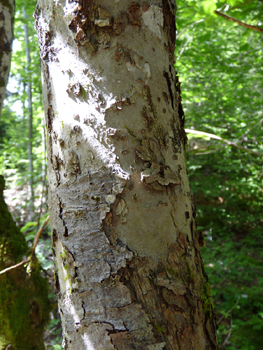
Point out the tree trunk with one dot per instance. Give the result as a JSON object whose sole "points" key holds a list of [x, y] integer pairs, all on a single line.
{"points": [[127, 252], [29, 111], [24, 303], [7, 8]]}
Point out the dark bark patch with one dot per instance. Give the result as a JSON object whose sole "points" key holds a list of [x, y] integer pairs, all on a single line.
{"points": [[5, 45], [44, 37], [54, 237], [65, 234], [178, 139], [92, 26], [148, 120], [56, 162], [50, 117], [183, 240], [120, 23], [169, 27], [201, 239], [148, 97], [169, 85], [134, 14], [175, 296], [57, 285], [73, 165]]}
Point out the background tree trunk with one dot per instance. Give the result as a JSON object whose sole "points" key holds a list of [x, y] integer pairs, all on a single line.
{"points": [[127, 252], [7, 8], [25, 306], [29, 113]]}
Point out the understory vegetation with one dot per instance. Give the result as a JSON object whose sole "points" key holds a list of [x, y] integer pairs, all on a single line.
{"points": [[219, 63], [220, 66]]}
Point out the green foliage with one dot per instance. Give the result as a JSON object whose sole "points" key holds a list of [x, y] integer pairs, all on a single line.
{"points": [[54, 329], [221, 70], [14, 118]]}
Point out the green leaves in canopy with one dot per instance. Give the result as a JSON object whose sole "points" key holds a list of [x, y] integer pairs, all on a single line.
{"points": [[221, 70], [206, 10], [207, 7], [13, 122]]}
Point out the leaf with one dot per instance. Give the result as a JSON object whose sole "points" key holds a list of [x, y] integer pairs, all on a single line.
{"points": [[234, 2], [208, 7], [209, 21], [29, 225]]}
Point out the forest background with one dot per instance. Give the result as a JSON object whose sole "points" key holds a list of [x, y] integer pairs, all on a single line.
{"points": [[219, 62]]}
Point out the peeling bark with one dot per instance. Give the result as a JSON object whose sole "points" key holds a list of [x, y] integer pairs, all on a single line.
{"points": [[6, 38], [129, 270]]}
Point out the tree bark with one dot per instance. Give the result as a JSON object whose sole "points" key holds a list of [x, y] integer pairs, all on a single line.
{"points": [[7, 8], [25, 306], [29, 112], [128, 264]]}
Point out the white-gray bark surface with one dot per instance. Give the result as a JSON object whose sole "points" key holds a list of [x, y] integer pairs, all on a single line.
{"points": [[6, 39], [129, 272]]}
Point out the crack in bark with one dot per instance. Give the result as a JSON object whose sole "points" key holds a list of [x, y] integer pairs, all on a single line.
{"points": [[166, 75], [84, 311], [65, 234]]}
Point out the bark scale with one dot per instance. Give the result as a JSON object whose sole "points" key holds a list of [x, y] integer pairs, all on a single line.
{"points": [[129, 270], [7, 8]]}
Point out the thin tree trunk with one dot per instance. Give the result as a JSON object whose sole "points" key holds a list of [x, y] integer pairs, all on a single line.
{"points": [[30, 117], [7, 8], [129, 271]]}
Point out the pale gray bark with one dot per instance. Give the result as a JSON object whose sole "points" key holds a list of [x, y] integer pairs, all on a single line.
{"points": [[6, 39], [129, 272], [30, 118]]}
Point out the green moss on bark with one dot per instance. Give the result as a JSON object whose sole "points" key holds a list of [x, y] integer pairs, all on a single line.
{"points": [[205, 297], [24, 300], [12, 242]]}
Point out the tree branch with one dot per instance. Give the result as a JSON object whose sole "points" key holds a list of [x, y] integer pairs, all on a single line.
{"points": [[248, 131], [38, 234], [229, 143], [239, 22], [33, 249], [190, 25], [15, 266], [244, 3]]}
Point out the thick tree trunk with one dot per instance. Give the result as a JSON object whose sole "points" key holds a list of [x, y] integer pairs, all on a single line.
{"points": [[130, 275], [7, 8], [24, 303]]}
